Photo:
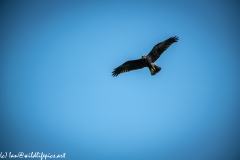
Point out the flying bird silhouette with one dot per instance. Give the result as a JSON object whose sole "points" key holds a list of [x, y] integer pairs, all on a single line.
{"points": [[146, 61]]}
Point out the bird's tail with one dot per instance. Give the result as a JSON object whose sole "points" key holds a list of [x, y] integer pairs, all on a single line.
{"points": [[154, 70]]}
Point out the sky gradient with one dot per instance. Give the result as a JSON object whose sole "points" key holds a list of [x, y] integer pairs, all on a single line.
{"points": [[57, 94]]}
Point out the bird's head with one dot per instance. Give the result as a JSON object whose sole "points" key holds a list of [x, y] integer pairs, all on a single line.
{"points": [[144, 57]]}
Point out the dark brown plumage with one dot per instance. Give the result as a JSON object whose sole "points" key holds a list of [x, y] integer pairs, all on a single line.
{"points": [[146, 61]]}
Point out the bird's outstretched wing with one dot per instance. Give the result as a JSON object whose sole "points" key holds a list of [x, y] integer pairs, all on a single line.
{"points": [[159, 48], [129, 66]]}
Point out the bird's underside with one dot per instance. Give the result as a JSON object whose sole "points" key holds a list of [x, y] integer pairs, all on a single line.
{"points": [[146, 61]]}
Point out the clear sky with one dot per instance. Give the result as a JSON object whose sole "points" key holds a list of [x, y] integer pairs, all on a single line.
{"points": [[57, 94]]}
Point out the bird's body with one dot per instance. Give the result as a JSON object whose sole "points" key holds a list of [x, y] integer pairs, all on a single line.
{"points": [[152, 67], [146, 61]]}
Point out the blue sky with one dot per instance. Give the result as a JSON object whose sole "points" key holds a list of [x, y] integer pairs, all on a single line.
{"points": [[57, 94]]}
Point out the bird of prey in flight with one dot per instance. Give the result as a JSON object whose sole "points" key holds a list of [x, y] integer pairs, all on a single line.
{"points": [[146, 61]]}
